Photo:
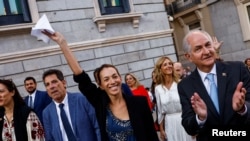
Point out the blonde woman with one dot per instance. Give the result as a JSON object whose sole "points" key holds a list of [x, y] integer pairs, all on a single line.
{"points": [[137, 88], [168, 102]]}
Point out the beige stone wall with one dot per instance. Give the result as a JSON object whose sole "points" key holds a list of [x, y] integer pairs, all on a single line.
{"points": [[131, 49]]}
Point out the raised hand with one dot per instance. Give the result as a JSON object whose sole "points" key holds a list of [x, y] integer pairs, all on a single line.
{"points": [[57, 37], [68, 54], [217, 44], [199, 106], [238, 101]]}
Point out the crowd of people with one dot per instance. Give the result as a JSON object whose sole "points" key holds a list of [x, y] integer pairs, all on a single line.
{"points": [[187, 104]]}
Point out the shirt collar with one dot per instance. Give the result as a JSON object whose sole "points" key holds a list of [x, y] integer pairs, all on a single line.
{"points": [[204, 74], [33, 94], [65, 101]]}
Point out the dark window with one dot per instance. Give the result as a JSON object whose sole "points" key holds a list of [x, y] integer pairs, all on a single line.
{"points": [[14, 12], [113, 6], [248, 12], [195, 25]]}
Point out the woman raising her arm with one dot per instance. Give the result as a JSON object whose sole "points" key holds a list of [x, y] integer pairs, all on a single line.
{"points": [[121, 117]]}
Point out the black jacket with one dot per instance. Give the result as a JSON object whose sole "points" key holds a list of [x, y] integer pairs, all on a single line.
{"points": [[139, 112]]}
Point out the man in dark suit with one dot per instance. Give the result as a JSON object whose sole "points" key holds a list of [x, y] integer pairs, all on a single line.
{"points": [[36, 99], [199, 114], [80, 114]]}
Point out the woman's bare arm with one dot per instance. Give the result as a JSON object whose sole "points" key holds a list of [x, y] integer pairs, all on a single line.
{"points": [[68, 54]]}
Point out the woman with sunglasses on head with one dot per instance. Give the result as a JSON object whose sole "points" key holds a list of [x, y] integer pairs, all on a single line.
{"points": [[120, 116], [17, 121]]}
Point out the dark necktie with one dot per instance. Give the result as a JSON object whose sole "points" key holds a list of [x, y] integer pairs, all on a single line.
{"points": [[213, 91], [66, 125], [30, 102]]}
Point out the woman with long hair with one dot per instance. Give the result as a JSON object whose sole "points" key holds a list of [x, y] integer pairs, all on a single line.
{"points": [[120, 116], [17, 121], [137, 88], [168, 102]]}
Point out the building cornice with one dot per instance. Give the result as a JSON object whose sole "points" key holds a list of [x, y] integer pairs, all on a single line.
{"points": [[55, 50]]}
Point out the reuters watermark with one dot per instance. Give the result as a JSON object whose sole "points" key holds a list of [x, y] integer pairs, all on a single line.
{"points": [[228, 133]]}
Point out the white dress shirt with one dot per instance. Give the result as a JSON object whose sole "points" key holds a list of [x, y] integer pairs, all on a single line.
{"points": [[33, 95], [207, 86], [66, 108]]}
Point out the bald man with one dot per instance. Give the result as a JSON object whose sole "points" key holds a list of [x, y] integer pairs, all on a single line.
{"points": [[178, 69]]}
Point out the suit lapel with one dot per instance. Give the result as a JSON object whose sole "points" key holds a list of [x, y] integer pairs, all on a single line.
{"points": [[221, 84], [222, 76], [55, 122], [37, 99], [72, 110], [201, 90]]}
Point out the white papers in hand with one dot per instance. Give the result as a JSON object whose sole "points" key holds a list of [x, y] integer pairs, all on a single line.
{"points": [[42, 24]]}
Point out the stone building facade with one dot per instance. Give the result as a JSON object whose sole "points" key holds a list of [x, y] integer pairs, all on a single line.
{"points": [[131, 41], [228, 20]]}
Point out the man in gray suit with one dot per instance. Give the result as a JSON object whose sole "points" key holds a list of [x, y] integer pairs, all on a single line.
{"points": [[79, 112], [207, 116]]}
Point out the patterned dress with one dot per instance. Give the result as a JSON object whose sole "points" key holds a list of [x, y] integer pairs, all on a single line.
{"points": [[169, 110], [119, 130], [34, 129]]}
